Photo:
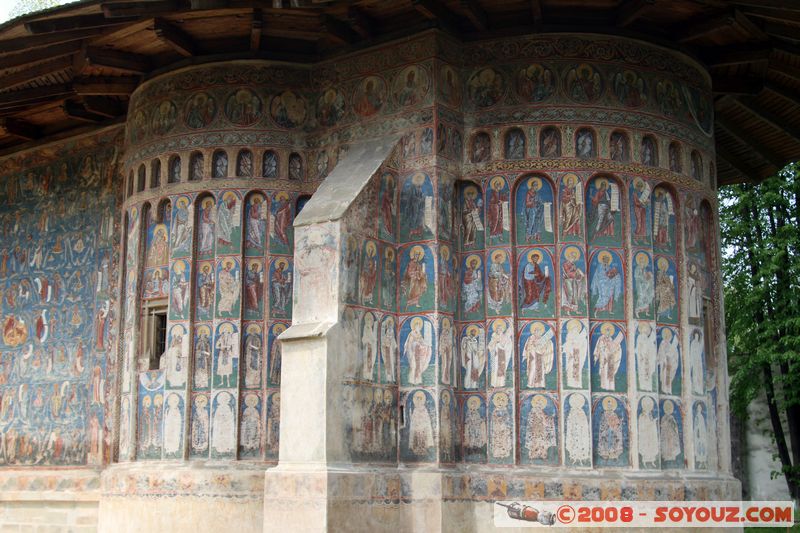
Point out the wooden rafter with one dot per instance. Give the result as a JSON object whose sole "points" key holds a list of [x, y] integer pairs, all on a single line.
{"points": [[434, 10], [746, 138], [786, 94], [256, 27], [35, 72], [475, 14], [39, 54], [19, 129], [96, 86], [630, 11], [174, 37], [785, 69], [360, 22], [36, 94], [726, 56], [735, 162], [104, 106], [734, 85], [337, 31], [770, 118], [122, 62], [139, 9], [26, 44], [76, 22], [77, 111], [536, 12]]}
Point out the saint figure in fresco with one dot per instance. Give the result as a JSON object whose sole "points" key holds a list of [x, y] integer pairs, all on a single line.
{"points": [[474, 426], [609, 438], [574, 348], [206, 241], [252, 353], [643, 284], [661, 219], [540, 430], [254, 287], [226, 350], [665, 290], [387, 204], [538, 355], [602, 218], [641, 200], [648, 434], [502, 424], [606, 285], [608, 355], [202, 364], [256, 217], [470, 216], [534, 211], [228, 288], [668, 359], [670, 433], [447, 346], [417, 350], [472, 286], [275, 357], [420, 426], [283, 218], [571, 207], [536, 284], [205, 285], [281, 285], [473, 357], [415, 279], [646, 356], [413, 206], [700, 436], [576, 432], [696, 362], [369, 274], [497, 198], [573, 282], [499, 282], [388, 348], [500, 353]]}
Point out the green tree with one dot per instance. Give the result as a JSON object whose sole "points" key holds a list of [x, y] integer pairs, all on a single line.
{"points": [[23, 7], [760, 225]]}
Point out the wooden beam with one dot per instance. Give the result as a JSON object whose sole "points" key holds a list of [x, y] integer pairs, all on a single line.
{"points": [[35, 94], [787, 5], [360, 22], [35, 72], [747, 139], [785, 69], [174, 37], [783, 31], [39, 54], [337, 30], [433, 10], [76, 111], [26, 44], [727, 56], [706, 26], [771, 13], [139, 9], [96, 86], [76, 22], [256, 25], [736, 86], [630, 11], [103, 105], [787, 94], [475, 14], [122, 62], [735, 162], [19, 129], [770, 118]]}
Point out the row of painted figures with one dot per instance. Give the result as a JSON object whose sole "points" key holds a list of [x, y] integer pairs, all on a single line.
{"points": [[474, 356], [471, 429]]}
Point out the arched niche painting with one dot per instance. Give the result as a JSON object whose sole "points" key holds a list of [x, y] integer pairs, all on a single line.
{"points": [[570, 209], [470, 219], [388, 206], [196, 167], [575, 353], [281, 233], [619, 147], [448, 353], [534, 211], [535, 275], [700, 425], [647, 418], [272, 428], [219, 164], [416, 204], [606, 285], [574, 281], [675, 157], [671, 432], [416, 279], [269, 164], [174, 170], [498, 216], [173, 426], [666, 289], [229, 223], [664, 208], [499, 286], [474, 438], [550, 143], [417, 431], [697, 165], [537, 356], [250, 426], [670, 364], [481, 147], [610, 431], [389, 278], [500, 350], [182, 223], [644, 348], [501, 428], [604, 217], [585, 144], [649, 151], [609, 357], [539, 433], [255, 216], [472, 345], [244, 164], [417, 351], [206, 227], [641, 212], [577, 431], [515, 144]]}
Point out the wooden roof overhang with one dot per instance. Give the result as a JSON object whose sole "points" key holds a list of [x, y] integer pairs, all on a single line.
{"points": [[72, 68]]}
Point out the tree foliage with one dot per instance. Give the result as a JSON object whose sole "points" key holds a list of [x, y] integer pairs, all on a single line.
{"points": [[760, 225]]}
